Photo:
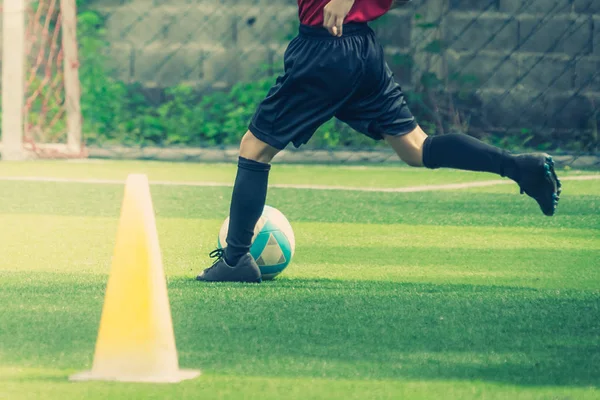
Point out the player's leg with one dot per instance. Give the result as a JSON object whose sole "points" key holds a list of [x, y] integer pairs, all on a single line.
{"points": [[247, 203], [248, 196], [452, 151], [252, 148], [533, 172], [383, 113], [409, 147], [312, 89]]}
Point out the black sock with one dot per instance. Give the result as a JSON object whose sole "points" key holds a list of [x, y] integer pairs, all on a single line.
{"points": [[247, 204], [465, 152]]}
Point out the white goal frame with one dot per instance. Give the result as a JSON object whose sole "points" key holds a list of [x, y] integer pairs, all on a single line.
{"points": [[13, 79]]}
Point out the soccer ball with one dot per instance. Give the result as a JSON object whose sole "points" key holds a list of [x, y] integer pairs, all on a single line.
{"points": [[273, 243]]}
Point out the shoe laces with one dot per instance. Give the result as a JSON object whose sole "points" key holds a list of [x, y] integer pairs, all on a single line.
{"points": [[218, 255]]}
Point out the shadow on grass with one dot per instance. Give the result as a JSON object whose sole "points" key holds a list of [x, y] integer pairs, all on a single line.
{"points": [[387, 330], [330, 328]]}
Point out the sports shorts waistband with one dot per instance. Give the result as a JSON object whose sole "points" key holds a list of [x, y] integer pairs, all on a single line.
{"points": [[351, 29]]}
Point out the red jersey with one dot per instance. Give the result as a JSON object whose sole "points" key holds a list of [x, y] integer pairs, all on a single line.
{"points": [[311, 11]]}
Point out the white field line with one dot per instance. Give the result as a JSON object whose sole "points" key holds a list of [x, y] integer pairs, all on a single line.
{"points": [[410, 189]]}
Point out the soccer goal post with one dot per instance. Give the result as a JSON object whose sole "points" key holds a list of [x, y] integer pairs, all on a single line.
{"points": [[13, 78], [41, 111]]}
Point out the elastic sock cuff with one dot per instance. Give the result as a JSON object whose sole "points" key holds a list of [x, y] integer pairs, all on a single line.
{"points": [[427, 154], [252, 165]]}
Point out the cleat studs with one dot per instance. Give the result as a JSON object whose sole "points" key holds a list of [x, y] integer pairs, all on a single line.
{"points": [[547, 167], [549, 160]]}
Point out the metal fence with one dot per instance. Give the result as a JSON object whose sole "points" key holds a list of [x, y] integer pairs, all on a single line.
{"points": [[519, 72]]}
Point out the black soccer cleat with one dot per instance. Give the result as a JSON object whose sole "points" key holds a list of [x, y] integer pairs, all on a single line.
{"points": [[246, 270], [538, 180]]}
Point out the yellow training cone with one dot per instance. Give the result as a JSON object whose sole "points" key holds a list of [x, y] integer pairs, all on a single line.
{"points": [[136, 341]]}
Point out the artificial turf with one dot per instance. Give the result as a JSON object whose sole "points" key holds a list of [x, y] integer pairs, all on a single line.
{"points": [[462, 294]]}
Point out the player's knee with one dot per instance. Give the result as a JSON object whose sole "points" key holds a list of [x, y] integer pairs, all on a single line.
{"points": [[409, 147], [412, 156], [413, 161], [255, 149]]}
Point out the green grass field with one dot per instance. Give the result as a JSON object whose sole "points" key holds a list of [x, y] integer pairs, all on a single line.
{"points": [[454, 294]]}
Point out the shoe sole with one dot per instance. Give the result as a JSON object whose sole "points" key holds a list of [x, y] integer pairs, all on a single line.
{"points": [[551, 179], [220, 271], [551, 174], [259, 280]]}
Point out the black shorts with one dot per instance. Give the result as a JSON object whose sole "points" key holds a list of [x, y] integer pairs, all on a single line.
{"points": [[325, 77]]}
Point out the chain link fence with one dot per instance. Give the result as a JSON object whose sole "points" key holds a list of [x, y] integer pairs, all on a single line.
{"points": [[518, 73]]}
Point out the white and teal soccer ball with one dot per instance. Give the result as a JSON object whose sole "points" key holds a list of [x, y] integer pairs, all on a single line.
{"points": [[273, 244]]}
